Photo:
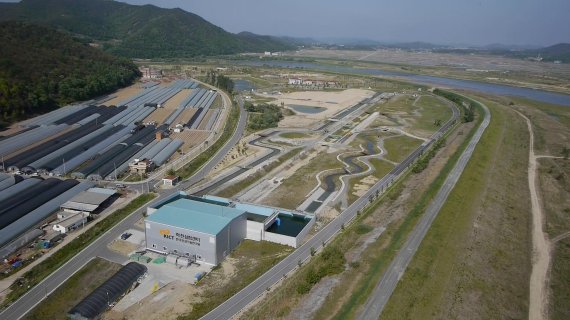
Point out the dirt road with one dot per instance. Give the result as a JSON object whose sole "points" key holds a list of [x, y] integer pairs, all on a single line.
{"points": [[538, 301]]}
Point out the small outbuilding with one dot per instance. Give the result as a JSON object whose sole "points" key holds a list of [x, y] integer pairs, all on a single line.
{"points": [[87, 202], [170, 181]]}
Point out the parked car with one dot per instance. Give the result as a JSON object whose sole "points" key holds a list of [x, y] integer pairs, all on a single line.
{"points": [[126, 235]]}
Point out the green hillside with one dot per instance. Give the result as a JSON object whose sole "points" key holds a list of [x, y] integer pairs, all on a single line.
{"points": [[139, 31], [41, 69]]}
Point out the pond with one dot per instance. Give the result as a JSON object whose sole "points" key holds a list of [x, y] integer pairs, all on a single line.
{"points": [[306, 109], [243, 85], [289, 225]]}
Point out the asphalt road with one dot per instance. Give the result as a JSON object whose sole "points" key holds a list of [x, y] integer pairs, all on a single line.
{"points": [[384, 289], [98, 248], [247, 295]]}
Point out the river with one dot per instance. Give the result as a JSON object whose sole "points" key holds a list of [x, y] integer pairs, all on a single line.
{"points": [[491, 88]]}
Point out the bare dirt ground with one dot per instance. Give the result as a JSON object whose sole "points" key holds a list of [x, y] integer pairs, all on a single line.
{"points": [[161, 114], [169, 302], [204, 122], [191, 139], [431, 59], [234, 157], [123, 94], [332, 102], [184, 117], [12, 130], [538, 304], [123, 247]]}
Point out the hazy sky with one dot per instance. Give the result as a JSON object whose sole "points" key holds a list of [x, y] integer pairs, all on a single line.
{"points": [[542, 22], [480, 22]]}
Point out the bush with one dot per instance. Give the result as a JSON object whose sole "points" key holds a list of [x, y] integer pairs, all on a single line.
{"points": [[263, 116], [363, 228]]}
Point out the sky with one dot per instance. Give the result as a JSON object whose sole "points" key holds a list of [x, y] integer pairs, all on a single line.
{"points": [[470, 22]]}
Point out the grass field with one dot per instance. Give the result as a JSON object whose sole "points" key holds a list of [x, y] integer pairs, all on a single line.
{"points": [[432, 109], [398, 148], [294, 189], [381, 167], [475, 260], [74, 289]]}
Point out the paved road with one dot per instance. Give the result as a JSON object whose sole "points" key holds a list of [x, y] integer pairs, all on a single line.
{"points": [[98, 248], [384, 289], [247, 295]]}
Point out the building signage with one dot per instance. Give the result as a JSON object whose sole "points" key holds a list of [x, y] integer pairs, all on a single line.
{"points": [[180, 237]]}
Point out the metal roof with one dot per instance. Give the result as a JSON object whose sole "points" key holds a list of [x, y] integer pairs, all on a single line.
{"points": [[109, 192], [89, 200], [194, 215], [109, 292]]}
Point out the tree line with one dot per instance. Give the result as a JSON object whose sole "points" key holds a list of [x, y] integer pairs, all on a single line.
{"points": [[42, 69]]}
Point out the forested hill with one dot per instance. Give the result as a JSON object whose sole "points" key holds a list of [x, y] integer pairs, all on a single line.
{"points": [[138, 31], [41, 69]]}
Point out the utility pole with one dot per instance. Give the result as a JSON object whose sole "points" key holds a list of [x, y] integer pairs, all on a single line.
{"points": [[63, 159]]}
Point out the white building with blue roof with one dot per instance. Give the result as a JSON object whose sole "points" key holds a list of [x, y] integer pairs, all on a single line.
{"points": [[204, 232]]}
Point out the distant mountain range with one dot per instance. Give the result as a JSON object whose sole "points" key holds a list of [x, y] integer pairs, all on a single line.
{"points": [[139, 31]]}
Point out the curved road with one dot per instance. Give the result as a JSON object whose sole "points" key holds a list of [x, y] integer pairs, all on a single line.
{"points": [[250, 293], [384, 289]]}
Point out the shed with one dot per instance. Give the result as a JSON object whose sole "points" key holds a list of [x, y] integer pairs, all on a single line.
{"points": [[170, 181]]}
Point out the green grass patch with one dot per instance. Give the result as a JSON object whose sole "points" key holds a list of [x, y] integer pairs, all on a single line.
{"points": [[294, 135], [61, 256], [381, 167], [250, 180], [229, 129], [433, 112], [255, 258], [398, 148], [74, 289]]}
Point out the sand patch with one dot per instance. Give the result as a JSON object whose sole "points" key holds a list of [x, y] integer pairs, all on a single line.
{"points": [[331, 103]]}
